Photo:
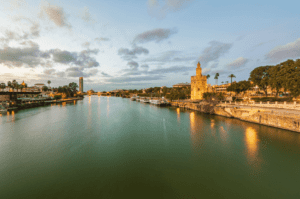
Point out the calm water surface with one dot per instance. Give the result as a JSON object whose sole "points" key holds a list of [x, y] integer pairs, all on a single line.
{"points": [[106, 147]]}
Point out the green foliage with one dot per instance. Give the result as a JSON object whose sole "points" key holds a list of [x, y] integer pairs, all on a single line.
{"points": [[73, 87], [231, 76], [213, 96], [260, 76], [272, 99], [45, 88], [57, 97]]}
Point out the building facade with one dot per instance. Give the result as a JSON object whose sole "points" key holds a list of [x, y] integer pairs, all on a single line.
{"points": [[81, 84], [182, 85], [198, 84]]}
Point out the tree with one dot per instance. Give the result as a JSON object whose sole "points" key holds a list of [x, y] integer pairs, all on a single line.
{"points": [[277, 78], [226, 82], [73, 87], [243, 86], [222, 82], [45, 88], [14, 84], [260, 76], [207, 76], [2, 85], [49, 82], [231, 76], [9, 84], [216, 78], [291, 76], [21, 87]]}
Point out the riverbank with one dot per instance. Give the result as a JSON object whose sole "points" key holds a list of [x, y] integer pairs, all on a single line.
{"points": [[32, 103], [284, 119]]}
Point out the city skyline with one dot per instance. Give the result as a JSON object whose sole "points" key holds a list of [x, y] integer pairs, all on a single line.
{"points": [[141, 44]]}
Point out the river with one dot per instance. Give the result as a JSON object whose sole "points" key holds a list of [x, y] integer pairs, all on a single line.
{"points": [[108, 147]]}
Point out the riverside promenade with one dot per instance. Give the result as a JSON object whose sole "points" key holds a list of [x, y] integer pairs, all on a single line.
{"points": [[280, 115]]}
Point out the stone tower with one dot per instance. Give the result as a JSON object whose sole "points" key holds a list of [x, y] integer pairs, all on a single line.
{"points": [[81, 84], [198, 84]]}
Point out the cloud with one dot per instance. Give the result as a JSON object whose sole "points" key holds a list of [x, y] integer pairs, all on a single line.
{"points": [[49, 71], [170, 56], [17, 57], [78, 72], [86, 44], [60, 74], [160, 11], [105, 74], [127, 54], [32, 56], [100, 39], [156, 35], [85, 14], [31, 31], [214, 52], [288, 51], [172, 69], [82, 59], [55, 13], [134, 79], [133, 65], [144, 67], [238, 63]]}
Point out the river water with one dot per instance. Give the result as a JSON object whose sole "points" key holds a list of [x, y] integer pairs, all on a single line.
{"points": [[107, 147]]}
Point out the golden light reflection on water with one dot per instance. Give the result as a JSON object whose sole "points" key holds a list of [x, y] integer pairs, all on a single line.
{"points": [[223, 133], [107, 106], [13, 116], [192, 123], [64, 104], [212, 124], [196, 133], [251, 143], [178, 114], [90, 99]]}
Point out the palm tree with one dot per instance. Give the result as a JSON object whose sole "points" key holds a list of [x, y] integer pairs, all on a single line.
{"points": [[222, 82], [49, 82], [9, 84], [226, 82], [207, 76], [216, 78], [14, 84], [231, 76]]}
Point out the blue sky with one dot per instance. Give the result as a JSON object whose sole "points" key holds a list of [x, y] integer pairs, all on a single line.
{"points": [[142, 43]]}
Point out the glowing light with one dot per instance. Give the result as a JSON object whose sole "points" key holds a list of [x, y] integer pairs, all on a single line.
{"points": [[192, 122], [89, 99], [251, 143], [212, 124], [178, 114]]}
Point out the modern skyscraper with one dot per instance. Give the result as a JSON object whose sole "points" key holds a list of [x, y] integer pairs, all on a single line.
{"points": [[81, 84]]}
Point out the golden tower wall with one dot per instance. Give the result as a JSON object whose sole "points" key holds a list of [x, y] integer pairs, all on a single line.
{"points": [[198, 84]]}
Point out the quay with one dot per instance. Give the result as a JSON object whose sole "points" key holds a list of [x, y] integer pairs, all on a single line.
{"points": [[286, 116]]}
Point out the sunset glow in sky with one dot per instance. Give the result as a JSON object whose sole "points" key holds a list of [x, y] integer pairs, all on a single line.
{"points": [[143, 43]]}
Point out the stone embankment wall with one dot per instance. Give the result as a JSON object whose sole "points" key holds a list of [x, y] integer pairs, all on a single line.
{"points": [[260, 116]]}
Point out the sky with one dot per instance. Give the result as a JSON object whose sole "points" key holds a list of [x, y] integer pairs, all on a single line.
{"points": [[143, 43]]}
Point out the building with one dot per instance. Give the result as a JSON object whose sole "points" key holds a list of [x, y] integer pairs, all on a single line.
{"points": [[81, 84], [198, 84], [182, 85]]}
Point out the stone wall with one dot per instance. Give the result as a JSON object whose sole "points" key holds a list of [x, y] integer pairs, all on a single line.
{"points": [[260, 116], [4, 98]]}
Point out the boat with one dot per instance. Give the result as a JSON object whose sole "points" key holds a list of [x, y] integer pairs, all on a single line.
{"points": [[133, 98], [155, 102], [146, 100], [142, 99]]}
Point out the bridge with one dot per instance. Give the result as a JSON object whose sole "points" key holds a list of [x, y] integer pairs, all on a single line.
{"points": [[14, 95]]}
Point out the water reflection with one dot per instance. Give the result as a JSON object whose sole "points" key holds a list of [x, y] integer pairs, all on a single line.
{"points": [[212, 124], [178, 115], [64, 104], [223, 133], [251, 144], [196, 131], [107, 106]]}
